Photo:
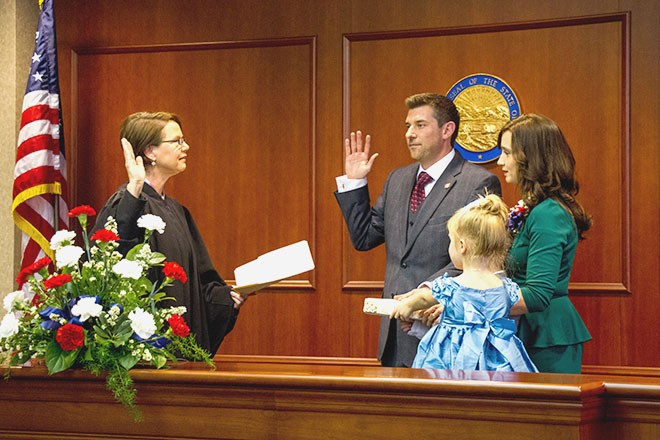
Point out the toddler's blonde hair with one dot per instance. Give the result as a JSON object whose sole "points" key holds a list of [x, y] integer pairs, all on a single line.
{"points": [[482, 226]]}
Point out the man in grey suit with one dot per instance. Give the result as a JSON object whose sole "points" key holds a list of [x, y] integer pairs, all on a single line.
{"points": [[414, 231]]}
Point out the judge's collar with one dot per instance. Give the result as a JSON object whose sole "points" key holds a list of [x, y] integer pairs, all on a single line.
{"points": [[162, 196]]}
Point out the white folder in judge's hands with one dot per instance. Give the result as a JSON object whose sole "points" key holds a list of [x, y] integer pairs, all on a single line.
{"points": [[273, 266]]}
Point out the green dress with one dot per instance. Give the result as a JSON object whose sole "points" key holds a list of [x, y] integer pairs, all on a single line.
{"points": [[540, 261]]}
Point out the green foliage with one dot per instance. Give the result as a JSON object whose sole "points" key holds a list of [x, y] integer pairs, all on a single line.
{"points": [[117, 334], [187, 348], [120, 383], [59, 360], [113, 301]]}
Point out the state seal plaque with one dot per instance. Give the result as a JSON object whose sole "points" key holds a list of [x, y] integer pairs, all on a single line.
{"points": [[485, 103]]}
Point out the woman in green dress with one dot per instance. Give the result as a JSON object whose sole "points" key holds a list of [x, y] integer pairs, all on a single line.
{"points": [[547, 223]]}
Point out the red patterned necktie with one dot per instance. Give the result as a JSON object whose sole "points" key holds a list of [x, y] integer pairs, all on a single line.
{"points": [[418, 194]]}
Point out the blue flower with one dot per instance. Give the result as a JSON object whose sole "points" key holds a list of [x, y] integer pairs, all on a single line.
{"points": [[55, 318], [155, 340]]}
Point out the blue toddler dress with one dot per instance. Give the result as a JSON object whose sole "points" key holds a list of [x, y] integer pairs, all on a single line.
{"points": [[475, 332]]}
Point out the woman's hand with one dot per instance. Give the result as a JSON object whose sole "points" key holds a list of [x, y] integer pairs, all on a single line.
{"points": [[134, 169], [403, 296], [406, 324], [403, 311], [413, 301], [238, 299], [431, 316]]}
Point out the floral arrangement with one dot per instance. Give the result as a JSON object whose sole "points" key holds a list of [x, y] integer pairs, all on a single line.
{"points": [[97, 309], [517, 215]]}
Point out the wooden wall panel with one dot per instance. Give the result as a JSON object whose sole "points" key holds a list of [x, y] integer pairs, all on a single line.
{"points": [[240, 105], [264, 88], [561, 80]]}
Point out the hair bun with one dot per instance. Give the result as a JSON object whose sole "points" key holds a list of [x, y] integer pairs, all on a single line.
{"points": [[490, 204]]}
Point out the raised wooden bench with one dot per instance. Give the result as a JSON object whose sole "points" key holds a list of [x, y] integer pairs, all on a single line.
{"points": [[305, 398]]}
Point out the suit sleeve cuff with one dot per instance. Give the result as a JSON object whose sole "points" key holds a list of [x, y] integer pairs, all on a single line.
{"points": [[345, 184]]}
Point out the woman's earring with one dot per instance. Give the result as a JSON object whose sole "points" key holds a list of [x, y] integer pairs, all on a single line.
{"points": [[153, 163]]}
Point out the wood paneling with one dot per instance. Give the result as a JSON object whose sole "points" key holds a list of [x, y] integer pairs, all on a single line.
{"points": [[307, 398], [268, 90], [240, 104], [596, 47]]}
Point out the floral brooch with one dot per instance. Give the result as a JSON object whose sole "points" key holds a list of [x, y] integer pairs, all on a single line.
{"points": [[517, 215]]}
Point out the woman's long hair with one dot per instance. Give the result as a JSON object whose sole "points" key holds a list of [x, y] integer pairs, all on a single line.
{"points": [[546, 166]]}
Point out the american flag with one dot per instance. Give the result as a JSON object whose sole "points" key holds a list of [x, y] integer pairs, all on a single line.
{"points": [[40, 171]]}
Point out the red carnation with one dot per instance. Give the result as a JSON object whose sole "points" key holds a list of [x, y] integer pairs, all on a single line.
{"points": [[57, 281], [39, 264], [179, 326], [32, 269], [21, 278], [82, 210], [174, 271], [104, 235], [70, 336]]}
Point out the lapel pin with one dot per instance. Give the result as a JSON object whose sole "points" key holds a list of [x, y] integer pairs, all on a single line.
{"points": [[447, 185]]}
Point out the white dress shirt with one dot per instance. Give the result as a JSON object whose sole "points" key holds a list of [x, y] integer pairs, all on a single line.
{"points": [[345, 184]]}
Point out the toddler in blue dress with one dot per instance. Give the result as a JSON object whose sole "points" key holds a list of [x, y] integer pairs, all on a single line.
{"points": [[475, 332]]}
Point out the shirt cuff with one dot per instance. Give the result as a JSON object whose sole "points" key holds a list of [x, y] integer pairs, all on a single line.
{"points": [[344, 184], [427, 284]]}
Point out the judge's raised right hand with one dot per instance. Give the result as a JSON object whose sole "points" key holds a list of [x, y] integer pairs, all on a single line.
{"points": [[358, 163], [134, 168]]}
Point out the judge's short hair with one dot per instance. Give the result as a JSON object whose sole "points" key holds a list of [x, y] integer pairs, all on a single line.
{"points": [[144, 129]]}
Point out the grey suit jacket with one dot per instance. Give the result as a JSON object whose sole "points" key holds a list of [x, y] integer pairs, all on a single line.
{"points": [[420, 254]]}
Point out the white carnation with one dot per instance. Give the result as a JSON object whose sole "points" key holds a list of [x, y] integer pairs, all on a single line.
{"points": [[86, 308], [142, 323], [128, 269], [9, 326], [62, 238], [11, 299], [68, 256], [151, 222]]}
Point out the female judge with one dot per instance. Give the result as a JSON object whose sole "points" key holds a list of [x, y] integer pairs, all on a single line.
{"points": [[154, 151]]}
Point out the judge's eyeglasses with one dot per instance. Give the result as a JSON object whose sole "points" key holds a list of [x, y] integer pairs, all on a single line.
{"points": [[179, 141]]}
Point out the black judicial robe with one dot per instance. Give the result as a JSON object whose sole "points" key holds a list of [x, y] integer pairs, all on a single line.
{"points": [[210, 310]]}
